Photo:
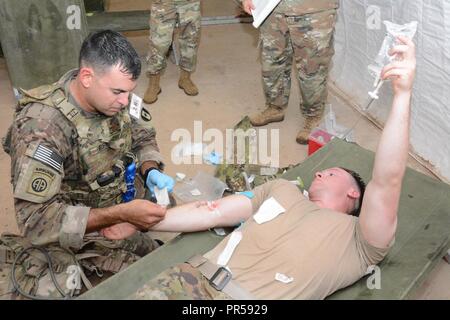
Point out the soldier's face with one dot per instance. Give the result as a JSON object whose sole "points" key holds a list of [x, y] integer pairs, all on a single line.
{"points": [[110, 91], [335, 188]]}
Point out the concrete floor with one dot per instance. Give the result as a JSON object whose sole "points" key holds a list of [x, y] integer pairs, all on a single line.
{"points": [[228, 76]]}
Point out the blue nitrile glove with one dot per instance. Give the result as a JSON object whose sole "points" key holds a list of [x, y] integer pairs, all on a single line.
{"points": [[248, 194], [159, 179]]}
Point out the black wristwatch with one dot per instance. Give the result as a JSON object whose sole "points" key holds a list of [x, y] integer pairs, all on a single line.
{"points": [[147, 172]]}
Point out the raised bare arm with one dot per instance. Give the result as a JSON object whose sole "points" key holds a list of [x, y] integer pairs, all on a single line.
{"points": [[378, 218]]}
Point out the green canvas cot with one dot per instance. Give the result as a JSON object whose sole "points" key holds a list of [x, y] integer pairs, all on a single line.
{"points": [[422, 237]]}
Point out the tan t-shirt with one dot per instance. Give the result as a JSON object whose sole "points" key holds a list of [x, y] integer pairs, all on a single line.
{"points": [[320, 249]]}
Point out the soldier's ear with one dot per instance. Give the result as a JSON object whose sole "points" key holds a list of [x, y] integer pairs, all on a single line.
{"points": [[353, 193], [86, 76]]}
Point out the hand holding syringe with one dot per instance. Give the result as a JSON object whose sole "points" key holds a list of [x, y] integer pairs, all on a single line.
{"points": [[379, 83]]}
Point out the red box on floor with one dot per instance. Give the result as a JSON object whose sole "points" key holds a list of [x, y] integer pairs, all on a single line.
{"points": [[317, 139]]}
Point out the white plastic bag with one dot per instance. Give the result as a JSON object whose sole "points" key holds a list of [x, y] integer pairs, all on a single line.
{"points": [[332, 127], [202, 187]]}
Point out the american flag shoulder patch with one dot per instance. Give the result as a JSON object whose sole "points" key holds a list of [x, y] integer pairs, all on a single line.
{"points": [[49, 157]]}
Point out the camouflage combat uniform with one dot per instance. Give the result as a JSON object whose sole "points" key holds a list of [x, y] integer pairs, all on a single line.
{"points": [[302, 30], [164, 16], [181, 282], [65, 161], [233, 174]]}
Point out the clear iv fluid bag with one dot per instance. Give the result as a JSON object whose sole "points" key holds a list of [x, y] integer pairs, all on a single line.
{"points": [[393, 31]]}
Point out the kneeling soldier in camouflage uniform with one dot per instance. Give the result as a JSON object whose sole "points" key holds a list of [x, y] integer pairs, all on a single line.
{"points": [[301, 30], [164, 15], [71, 144]]}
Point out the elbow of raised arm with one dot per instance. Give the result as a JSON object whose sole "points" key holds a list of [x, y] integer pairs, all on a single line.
{"points": [[391, 180]]}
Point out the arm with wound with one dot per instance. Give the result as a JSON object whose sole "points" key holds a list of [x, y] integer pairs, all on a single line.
{"points": [[199, 216]]}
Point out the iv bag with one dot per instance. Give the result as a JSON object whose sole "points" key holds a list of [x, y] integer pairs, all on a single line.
{"points": [[383, 58]]}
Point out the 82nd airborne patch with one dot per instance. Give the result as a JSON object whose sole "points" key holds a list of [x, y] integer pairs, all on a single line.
{"points": [[40, 182]]}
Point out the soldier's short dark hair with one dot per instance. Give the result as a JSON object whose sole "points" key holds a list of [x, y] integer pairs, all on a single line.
{"points": [[362, 188], [105, 49]]}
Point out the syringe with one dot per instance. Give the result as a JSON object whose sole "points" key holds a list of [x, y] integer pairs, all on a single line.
{"points": [[374, 94]]}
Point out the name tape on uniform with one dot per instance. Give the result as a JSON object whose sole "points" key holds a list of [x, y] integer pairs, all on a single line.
{"points": [[136, 106]]}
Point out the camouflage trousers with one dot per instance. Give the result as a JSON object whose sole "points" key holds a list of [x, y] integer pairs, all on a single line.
{"points": [[182, 282], [306, 38], [164, 17], [99, 258]]}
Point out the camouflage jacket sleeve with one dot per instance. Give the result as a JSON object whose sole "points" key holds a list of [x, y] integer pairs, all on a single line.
{"points": [[144, 141], [41, 147]]}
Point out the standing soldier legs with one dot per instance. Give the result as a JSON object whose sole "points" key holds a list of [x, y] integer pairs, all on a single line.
{"points": [[312, 39], [163, 19], [190, 24], [308, 39], [276, 57]]}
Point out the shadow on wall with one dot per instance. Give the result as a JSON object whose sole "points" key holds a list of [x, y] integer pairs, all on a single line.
{"points": [[94, 6]]}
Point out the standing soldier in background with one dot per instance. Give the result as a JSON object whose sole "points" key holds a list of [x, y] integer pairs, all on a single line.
{"points": [[164, 16], [304, 30]]}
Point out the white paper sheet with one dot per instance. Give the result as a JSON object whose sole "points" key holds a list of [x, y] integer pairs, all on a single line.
{"points": [[262, 10], [162, 197]]}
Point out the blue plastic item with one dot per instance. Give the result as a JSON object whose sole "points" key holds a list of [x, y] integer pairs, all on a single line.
{"points": [[213, 158], [130, 174], [248, 194]]}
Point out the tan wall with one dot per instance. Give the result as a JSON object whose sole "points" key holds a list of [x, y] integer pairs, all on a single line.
{"points": [[131, 5]]}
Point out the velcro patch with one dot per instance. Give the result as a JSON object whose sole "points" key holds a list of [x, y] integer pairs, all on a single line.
{"points": [[48, 157], [40, 182]]}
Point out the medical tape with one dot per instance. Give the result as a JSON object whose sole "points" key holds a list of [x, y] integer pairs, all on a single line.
{"points": [[232, 243]]}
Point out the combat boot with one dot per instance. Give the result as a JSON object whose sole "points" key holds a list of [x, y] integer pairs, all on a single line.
{"points": [[310, 123], [186, 83], [271, 114], [151, 95]]}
